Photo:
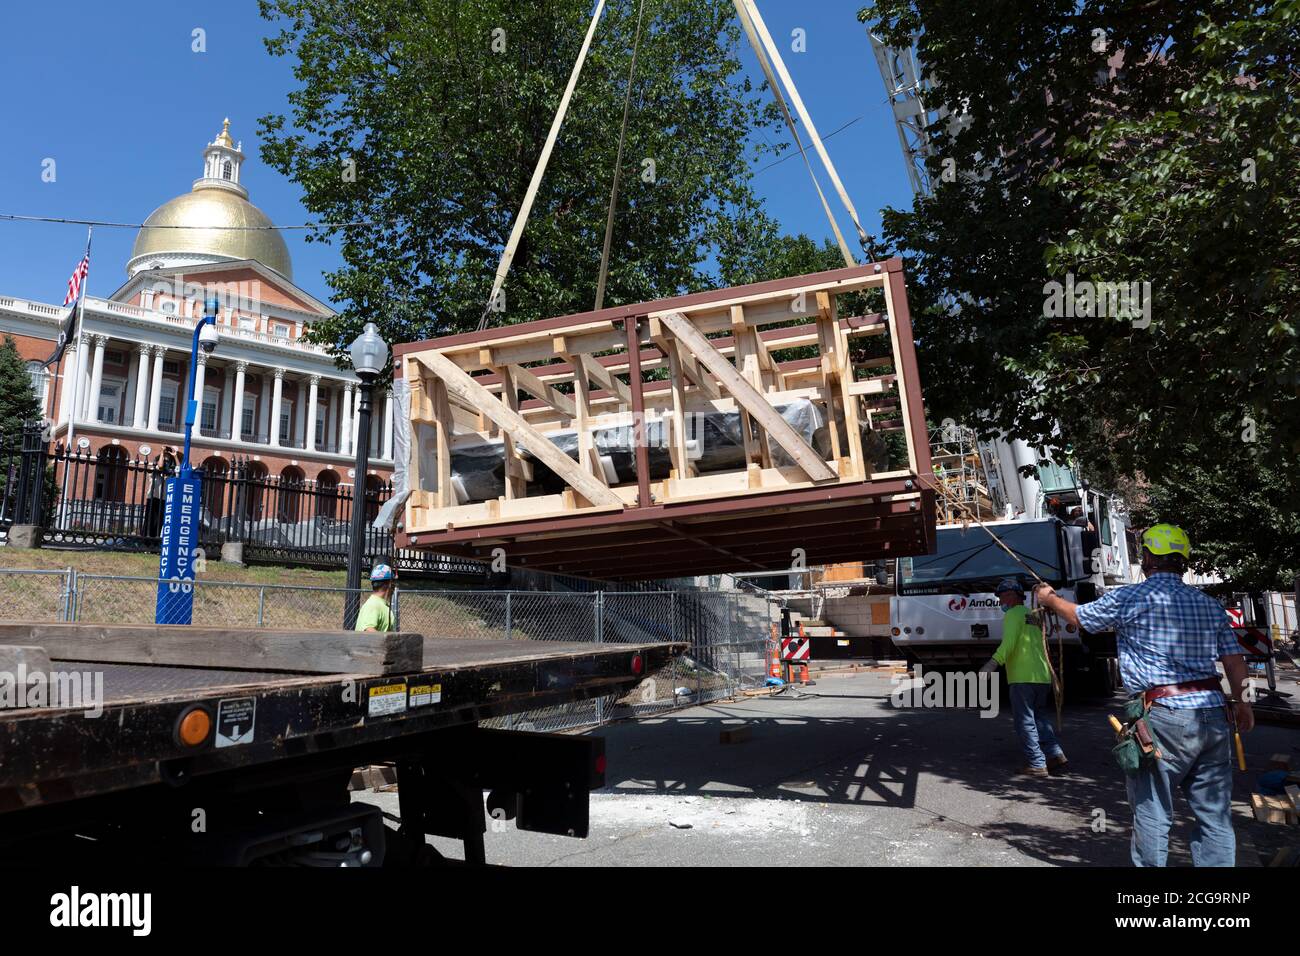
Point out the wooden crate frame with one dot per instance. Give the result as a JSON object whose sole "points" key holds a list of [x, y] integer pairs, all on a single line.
{"points": [[750, 518]]}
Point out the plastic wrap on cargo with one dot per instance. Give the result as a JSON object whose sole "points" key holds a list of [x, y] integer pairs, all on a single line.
{"points": [[714, 442]]}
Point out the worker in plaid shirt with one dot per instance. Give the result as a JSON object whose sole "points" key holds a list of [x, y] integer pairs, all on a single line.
{"points": [[1170, 636]]}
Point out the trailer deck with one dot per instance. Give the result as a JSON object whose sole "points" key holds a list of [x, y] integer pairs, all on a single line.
{"points": [[50, 756]]}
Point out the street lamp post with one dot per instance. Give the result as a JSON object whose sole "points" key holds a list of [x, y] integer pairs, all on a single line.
{"points": [[183, 500], [369, 356]]}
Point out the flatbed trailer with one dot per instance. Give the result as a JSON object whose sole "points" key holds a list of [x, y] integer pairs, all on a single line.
{"points": [[218, 764]]}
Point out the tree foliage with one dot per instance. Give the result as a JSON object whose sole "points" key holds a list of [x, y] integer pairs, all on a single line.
{"points": [[426, 118], [1119, 142], [18, 402]]}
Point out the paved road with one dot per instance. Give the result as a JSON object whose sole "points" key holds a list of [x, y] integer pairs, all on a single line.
{"points": [[835, 775]]}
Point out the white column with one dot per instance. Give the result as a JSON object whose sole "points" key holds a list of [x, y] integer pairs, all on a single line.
{"points": [[309, 439], [79, 385], [200, 373], [345, 421], [388, 426], [277, 397], [356, 421], [142, 387], [237, 408], [128, 393], [263, 406], [65, 387], [332, 417], [299, 414], [96, 377], [155, 390], [227, 399]]}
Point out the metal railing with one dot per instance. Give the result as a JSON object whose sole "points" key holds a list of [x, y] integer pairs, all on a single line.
{"points": [[727, 632], [112, 501]]}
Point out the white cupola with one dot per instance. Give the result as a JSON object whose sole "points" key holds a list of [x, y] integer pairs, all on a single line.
{"points": [[221, 162]]}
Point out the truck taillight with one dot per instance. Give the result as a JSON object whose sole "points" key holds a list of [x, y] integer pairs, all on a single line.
{"points": [[638, 664], [600, 764]]}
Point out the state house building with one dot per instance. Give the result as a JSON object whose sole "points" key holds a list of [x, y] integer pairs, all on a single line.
{"points": [[267, 395]]}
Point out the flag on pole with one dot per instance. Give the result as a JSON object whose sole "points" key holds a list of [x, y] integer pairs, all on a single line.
{"points": [[78, 277], [76, 284]]}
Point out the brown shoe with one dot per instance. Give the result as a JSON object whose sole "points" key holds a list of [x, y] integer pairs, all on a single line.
{"points": [[1056, 763], [1032, 771]]}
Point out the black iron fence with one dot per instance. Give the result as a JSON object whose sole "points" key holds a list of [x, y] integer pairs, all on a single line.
{"points": [[109, 500]]}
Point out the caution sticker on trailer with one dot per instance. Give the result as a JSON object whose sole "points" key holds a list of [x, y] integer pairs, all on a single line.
{"points": [[236, 720], [422, 695], [387, 699]]}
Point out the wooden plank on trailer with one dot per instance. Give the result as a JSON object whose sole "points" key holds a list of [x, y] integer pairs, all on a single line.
{"points": [[510, 421], [749, 398], [303, 651]]}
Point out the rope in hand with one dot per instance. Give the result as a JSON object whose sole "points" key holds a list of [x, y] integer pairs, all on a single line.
{"points": [[1058, 686]]}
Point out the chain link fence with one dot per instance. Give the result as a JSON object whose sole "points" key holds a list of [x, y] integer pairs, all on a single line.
{"points": [[729, 633]]}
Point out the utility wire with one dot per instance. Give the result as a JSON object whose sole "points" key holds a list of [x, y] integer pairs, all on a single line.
{"points": [[763, 169], [141, 225]]}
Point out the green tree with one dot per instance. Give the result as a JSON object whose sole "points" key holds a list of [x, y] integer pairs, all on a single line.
{"points": [[426, 118], [18, 401], [1118, 142]]}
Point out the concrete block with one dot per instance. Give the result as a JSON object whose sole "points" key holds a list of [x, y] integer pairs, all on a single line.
{"points": [[232, 552], [25, 536]]}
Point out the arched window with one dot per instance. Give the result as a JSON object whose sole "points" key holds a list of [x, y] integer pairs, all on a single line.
{"points": [[253, 489], [226, 170], [327, 494], [216, 490], [289, 507], [40, 382]]}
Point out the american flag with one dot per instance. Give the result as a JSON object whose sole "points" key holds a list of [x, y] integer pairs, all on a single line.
{"points": [[78, 276], [68, 327]]}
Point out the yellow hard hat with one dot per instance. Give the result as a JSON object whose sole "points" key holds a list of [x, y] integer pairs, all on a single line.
{"points": [[1167, 539]]}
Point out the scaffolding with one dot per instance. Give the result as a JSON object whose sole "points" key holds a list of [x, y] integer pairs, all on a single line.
{"points": [[960, 468]]}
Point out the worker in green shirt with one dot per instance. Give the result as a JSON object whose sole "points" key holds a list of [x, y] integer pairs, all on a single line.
{"points": [[1024, 655], [375, 614]]}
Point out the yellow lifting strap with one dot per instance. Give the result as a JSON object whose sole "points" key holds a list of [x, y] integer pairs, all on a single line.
{"points": [[763, 62], [521, 220], [752, 15]]}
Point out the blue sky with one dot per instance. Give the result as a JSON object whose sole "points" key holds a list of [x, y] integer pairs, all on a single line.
{"points": [[113, 93]]}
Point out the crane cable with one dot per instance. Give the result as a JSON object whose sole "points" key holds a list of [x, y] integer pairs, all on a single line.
{"points": [[756, 18], [521, 220], [1058, 686], [766, 66], [618, 166]]}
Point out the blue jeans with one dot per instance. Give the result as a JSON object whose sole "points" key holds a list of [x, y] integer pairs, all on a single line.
{"points": [[1197, 758], [1031, 706]]}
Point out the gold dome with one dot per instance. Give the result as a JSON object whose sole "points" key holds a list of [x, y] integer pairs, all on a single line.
{"points": [[203, 209]]}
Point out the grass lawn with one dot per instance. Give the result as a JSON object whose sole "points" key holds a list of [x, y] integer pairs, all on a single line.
{"points": [[40, 597], [145, 565]]}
